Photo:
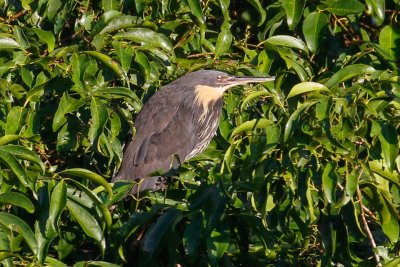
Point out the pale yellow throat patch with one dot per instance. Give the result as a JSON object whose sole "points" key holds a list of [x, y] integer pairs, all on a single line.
{"points": [[207, 94]]}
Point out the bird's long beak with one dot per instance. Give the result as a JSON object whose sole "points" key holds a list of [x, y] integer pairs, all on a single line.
{"points": [[238, 80]]}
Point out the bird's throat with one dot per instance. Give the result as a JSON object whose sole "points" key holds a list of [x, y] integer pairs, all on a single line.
{"points": [[206, 95]]}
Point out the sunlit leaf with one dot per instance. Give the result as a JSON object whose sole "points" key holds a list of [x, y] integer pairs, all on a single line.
{"points": [[8, 43], [86, 174], [305, 87], [14, 223], [313, 28], [294, 11], [345, 7], [388, 40], [17, 199]]}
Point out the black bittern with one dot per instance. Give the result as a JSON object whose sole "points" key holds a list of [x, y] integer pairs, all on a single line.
{"points": [[176, 124]]}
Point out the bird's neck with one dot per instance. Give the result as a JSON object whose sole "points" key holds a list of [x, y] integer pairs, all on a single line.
{"points": [[207, 96]]}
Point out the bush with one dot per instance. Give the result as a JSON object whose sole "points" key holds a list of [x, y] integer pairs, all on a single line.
{"points": [[303, 171]]}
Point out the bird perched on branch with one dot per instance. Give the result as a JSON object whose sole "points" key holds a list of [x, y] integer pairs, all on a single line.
{"points": [[176, 124]]}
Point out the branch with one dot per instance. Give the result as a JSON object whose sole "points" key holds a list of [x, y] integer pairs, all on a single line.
{"points": [[366, 227]]}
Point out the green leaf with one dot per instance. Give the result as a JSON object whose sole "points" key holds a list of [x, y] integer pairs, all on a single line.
{"points": [[52, 7], [294, 11], [17, 199], [95, 264], [193, 236], [251, 125], [378, 10], [158, 232], [46, 37], [345, 7], [388, 216], [118, 92], [15, 119], [98, 120], [110, 5], [148, 37], [293, 120], [389, 38], [109, 62], [8, 139], [86, 174], [8, 43], [11, 161], [23, 153], [287, 41], [58, 201], [10, 221], [313, 29], [195, 8], [305, 87], [21, 38], [54, 263], [67, 105], [329, 180], [389, 142], [218, 243], [348, 73], [224, 40], [119, 22], [260, 9], [87, 221], [103, 208]]}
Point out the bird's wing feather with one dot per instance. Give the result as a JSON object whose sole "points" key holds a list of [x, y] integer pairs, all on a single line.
{"points": [[163, 129]]}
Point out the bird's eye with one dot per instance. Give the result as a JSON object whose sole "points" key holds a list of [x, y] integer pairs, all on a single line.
{"points": [[221, 77]]}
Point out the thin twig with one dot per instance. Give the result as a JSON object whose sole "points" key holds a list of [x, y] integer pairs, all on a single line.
{"points": [[365, 224]]}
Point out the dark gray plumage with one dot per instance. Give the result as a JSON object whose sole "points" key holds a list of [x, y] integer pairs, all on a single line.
{"points": [[177, 123]]}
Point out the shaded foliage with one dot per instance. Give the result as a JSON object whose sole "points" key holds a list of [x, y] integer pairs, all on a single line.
{"points": [[303, 171]]}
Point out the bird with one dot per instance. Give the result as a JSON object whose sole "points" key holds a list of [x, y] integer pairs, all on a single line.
{"points": [[177, 123]]}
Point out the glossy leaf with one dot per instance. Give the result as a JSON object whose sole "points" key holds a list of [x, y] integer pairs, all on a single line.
{"points": [[87, 221], [109, 62], [313, 29], [8, 43], [348, 73], [287, 41], [195, 9], [17, 199], [345, 7], [99, 118], [251, 125], [10, 221], [46, 37], [389, 142], [294, 11], [11, 161], [67, 105], [147, 37], [58, 201], [86, 174], [305, 87], [388, 40], [23, 153], [224, 40]]}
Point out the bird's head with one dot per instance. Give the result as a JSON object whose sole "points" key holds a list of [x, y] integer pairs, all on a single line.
{"points": [[210, 85]]}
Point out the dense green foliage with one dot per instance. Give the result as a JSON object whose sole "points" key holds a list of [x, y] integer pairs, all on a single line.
{"points": [[303, 171]]}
